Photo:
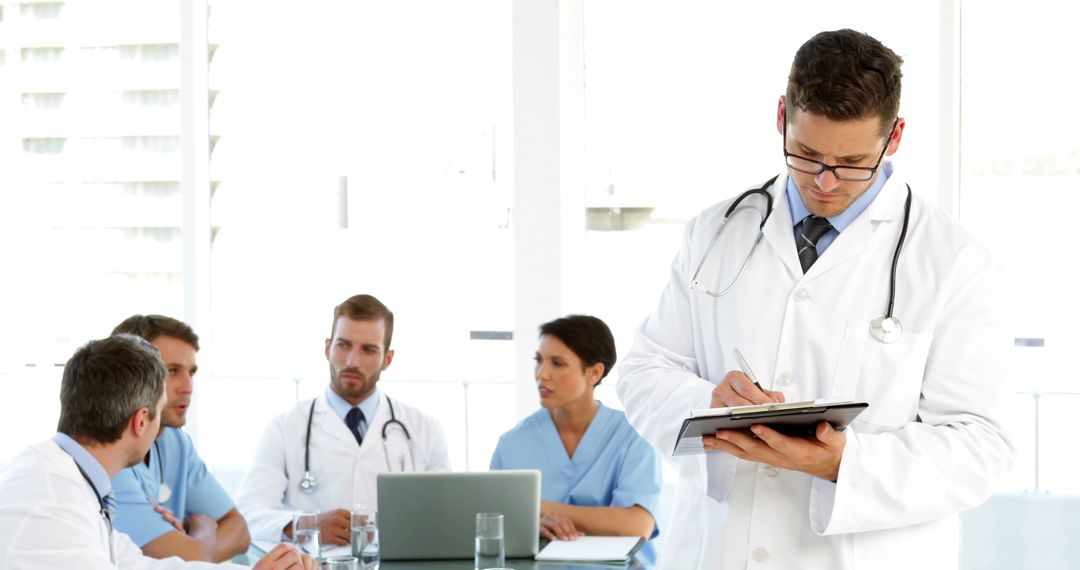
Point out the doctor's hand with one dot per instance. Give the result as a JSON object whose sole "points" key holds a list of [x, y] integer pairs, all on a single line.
{"points": [[334, 527], [737, 389], [819, 457], [285, 557]]}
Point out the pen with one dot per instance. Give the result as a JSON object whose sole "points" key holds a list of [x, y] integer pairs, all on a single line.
{"points": [[746, 369]]}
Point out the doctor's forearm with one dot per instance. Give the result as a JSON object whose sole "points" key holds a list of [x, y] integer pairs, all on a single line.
{"points": [[605, 521], [232, 536]]}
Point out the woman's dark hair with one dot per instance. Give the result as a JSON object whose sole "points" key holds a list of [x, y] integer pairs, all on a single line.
{"points": [[589, 338]]}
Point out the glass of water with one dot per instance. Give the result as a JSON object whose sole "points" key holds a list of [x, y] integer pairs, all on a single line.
{"points": [[365, 537], [342, 563], [490, 542], [305, 532]]}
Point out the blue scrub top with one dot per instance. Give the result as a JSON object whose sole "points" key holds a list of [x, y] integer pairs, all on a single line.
{"points": [[194, 490], [612, 466]]}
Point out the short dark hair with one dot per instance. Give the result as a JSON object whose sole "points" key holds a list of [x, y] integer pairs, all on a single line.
{"points": [[150, 327], [105, 382], [845, 75], [365, 308], [587, 336]]}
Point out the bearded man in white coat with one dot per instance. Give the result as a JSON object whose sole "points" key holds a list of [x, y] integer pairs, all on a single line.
{"points": [[56, 501], [325, 453], [887, 492]]}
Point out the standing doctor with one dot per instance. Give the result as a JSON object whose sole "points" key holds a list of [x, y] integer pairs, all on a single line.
{"points": [[324, 455], [806, 313]]}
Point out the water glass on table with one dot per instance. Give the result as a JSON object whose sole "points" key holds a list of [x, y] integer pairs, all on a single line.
{"points": [[490, 542], [365, 537], [342, 563], [305, 531]]}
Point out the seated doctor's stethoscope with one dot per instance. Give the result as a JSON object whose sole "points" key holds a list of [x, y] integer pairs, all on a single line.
{"points": [[885, 328], [391, 427]]}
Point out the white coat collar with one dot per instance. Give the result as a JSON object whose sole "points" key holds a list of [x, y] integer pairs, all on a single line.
{"points": [[853, 241], [329, 422]]}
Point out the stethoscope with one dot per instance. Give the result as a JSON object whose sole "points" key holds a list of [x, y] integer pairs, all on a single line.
{"points": [[885, 328], [309, 484], [104, 512]]}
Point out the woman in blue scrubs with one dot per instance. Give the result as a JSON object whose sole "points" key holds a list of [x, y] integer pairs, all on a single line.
{"points": [[598, 477]]}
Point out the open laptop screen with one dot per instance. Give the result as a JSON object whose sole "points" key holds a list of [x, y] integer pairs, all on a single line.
{"points": [[425, 516]]}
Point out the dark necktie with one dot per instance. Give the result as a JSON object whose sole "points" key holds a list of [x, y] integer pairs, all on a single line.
{"points": [[353, 420], [813, 227], [110, 506]]}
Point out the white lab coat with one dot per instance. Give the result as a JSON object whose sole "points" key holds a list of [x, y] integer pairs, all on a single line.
{"points": [[50, 518], [930, 445], [270, 492]]}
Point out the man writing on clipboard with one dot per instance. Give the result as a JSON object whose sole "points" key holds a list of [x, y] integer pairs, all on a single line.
{"points": [[843, 240]]}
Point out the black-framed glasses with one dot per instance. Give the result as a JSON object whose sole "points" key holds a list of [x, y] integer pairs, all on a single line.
{"points": [[849, 173]]}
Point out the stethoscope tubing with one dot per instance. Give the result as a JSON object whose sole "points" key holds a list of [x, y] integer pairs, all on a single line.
{"points": [[308, 484], [763, 190]]}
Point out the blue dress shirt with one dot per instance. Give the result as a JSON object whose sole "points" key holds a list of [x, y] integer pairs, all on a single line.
{"points": [[341, 407], [843, 219], [90, 465]]}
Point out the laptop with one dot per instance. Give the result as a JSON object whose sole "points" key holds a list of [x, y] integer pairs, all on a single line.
{"points": [[425, 516]]}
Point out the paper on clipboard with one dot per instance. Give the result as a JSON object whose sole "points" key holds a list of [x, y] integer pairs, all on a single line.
{"points": [[791, 418]]}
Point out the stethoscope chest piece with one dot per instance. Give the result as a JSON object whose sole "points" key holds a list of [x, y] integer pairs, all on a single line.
{"points": [[886, 329], [308, 484]]}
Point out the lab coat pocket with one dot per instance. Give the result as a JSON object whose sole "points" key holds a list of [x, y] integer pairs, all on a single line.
{"points": [[886, 376]]}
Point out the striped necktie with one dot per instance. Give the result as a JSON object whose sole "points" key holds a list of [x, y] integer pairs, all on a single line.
{"points": [[813, 227], [110, 506]]}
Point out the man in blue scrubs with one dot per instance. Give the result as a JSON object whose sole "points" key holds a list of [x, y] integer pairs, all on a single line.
{"points": [[169, 503]]}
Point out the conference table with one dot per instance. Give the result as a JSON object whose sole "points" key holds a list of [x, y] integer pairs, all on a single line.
{"points": [[254, 554]]}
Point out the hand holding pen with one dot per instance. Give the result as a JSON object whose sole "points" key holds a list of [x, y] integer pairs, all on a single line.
{"points": [[741, 388]]}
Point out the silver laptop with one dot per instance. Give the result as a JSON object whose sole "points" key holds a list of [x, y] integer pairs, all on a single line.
{"points": [[424, 516]]}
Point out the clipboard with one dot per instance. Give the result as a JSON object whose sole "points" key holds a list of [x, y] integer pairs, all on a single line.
{"points": [[798, 419]]}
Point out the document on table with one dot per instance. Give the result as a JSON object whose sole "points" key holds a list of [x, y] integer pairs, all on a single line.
{"points": [[592, 549], [790, 418]]}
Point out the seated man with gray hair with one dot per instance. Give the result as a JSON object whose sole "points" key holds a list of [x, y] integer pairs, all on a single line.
{"points": [[56, 499]]}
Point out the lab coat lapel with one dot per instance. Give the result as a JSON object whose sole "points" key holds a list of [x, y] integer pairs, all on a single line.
{"points": [[373, 437], [778, 230], [328, 422], [857, 238]]}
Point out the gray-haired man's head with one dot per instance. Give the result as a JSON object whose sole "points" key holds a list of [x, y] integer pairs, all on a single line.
{"points": [[105, 382]]}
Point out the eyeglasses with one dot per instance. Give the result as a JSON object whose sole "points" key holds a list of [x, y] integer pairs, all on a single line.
{"points": [[850, 173]]}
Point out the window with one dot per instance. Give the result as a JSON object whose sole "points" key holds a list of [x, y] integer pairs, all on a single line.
{"points": [[41, 10], [41, 54], [1019, 179], [91, 234], [42, 101], [376, 168]]}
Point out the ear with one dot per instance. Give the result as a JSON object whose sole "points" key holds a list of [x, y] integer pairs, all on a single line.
{"points": [[894, 137], [780, 115], [594, 374], [389, 358], [327, 350], [140, 422]]}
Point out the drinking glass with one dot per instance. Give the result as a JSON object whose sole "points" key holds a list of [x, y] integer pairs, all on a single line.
{"points": [[342, 563], [305, 531], [365, 537], [490, 542]]}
